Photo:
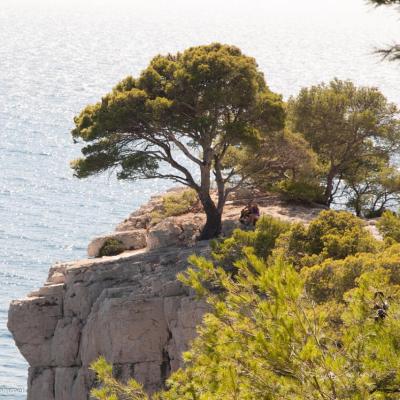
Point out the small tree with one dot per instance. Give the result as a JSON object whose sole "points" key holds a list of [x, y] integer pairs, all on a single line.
{"points": [[372, 186], [344, 124], [185, 111], [287, 164], [389, 226]]}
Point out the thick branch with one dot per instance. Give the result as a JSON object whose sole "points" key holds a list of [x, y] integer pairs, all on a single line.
{"points": [[165, 148], [176, 178], [184, 149]]}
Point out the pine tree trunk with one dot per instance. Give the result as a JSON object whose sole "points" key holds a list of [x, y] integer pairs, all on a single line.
{"points": [[357, 208], [212, 227], [329, 187]]}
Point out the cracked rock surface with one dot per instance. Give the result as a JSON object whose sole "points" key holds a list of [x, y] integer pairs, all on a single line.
{"points": [[130, 309]]}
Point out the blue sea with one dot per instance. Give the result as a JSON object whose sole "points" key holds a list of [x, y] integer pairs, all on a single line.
{"points": [[57, 56]]}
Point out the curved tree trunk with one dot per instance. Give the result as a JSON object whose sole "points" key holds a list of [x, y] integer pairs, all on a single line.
{"points": [[357, 208], [329, 187], [212, 227]]}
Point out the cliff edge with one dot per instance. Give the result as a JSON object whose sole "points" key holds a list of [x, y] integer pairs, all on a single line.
{"points": [[129, 308]]}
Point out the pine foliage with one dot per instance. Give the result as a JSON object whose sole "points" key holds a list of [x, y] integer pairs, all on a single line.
{"points": [[296, 313]]}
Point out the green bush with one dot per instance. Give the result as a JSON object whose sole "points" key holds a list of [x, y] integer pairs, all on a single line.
{"points": [[389, 226], [331, 224], [175, 204], [300, 191], [261, 241], [331, 279], [278, 332], [333, 234], [264, 338], [111, 247]]}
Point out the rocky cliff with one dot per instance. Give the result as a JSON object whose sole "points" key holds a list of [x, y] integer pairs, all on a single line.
{"points": [[129, 308]]}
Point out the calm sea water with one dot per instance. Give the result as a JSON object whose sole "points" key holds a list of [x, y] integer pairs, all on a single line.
{"points": [[55, 57]]}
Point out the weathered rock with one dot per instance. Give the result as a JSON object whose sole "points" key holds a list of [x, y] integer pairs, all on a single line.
{"points": [[65, 343], [33, 322], [72, 383], [164, 234], [129, 308], [175, 231], [131, 240], [140, 221], [41, 383], [57, 278]]}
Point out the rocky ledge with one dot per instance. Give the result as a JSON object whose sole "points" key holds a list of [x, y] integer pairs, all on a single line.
{"points": [[129, 308]]}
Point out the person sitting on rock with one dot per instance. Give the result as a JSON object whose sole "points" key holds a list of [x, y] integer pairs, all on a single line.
{"points": [[245, 214], [250, 214], [254, 214]]}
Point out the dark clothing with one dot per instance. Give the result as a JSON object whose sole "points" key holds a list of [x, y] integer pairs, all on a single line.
{"points": [[249, 215], [255, 210]]}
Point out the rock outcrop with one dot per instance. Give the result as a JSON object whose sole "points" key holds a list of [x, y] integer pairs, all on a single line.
{"points": [[129, 308], [130, 240]]}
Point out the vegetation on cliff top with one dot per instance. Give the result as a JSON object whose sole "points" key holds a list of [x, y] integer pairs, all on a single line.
{"points": [[199, 104], [296, 313], [175, 204], [206, 117], [354, 132], [111, 247]]}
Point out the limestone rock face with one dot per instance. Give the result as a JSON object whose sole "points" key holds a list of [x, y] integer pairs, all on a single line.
{"points": [[141, 218], [131, 240], [174, 231], [129, 308], [139, 231]]}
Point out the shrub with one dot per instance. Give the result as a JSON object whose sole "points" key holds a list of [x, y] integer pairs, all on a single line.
{"points": [[175, 204], [111, 247], [261, 240], [331, 279], [274, 332], [333, 234], [112, 389], [389, 226], [283, 348], [300, 191], [265, 339], [330, 224]]}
